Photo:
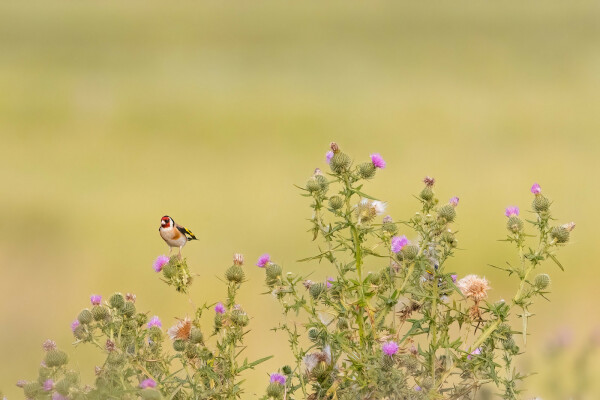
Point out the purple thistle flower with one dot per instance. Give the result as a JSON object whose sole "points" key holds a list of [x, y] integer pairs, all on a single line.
{"points": [[328, 156], [277, 378], [377, 161], [160, 262], [220, 308], [418, 388], [454, 201], [154, 321], [511, 211], [147, 383], [475, 352], [329, 281], [58, 396], [74, 325], [536, 189], [398, 242], [48, 385], [96, 299], [263, 260], [454, 278], [390, 348]]}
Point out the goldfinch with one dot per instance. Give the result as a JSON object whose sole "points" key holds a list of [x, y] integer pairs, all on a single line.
{"points": [[175, 235]]}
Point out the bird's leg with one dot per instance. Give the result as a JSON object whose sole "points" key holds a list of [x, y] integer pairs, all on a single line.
{"points": [[180, 252], [170, 250]]}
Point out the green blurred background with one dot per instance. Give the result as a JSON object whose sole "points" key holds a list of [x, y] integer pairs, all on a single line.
{"points": [[113, 114]]}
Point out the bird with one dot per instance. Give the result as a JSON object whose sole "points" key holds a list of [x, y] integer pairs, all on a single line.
{"points": [[174, 234]]}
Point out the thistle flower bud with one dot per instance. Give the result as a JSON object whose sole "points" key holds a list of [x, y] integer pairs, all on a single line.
{"points": [[56, 358], [316, 290], [336, 202], [514, 224], [389, 226], [427, 193], [128, 309], [542, 281], [410, 252], [32, 390], [115, 358], [510, 346], [196, 335], [540, 203], [273, 272], [340, 162], [235, 274], [117, 301], [313, 334], [560, 234], [238, 259], [63, 386], [80, 333], [99, 313], [366, 170], [447, 213], [239, 318], [275, 390], [169, 271], [342, 324], [312, 185], [85, 317], [179, 345]]}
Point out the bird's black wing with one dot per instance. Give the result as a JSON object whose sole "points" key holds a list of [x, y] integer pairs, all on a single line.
{"points": [[186, 232]]}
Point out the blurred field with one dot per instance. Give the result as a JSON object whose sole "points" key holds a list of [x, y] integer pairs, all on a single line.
{"points": [[115, 113]]}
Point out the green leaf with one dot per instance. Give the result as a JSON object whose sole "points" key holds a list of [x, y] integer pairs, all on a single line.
{"points": [[556, 261], [253, 363]]}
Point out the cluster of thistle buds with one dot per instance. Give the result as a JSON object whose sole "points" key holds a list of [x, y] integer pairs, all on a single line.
{"points": [[175, 272], [55, 381]]}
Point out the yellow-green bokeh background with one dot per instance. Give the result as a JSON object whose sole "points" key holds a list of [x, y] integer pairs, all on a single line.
{"points": [[115, 113]]}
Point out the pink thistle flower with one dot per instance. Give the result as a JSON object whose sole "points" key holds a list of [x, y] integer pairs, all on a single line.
{"points": [[58, 396], [75, 324], [96, 299], [328, 156], [160, 262], [475, 352], [154, 321], [377, 161], [454, 278], [48, 385], [398, 243], [536, 189], [147, 383], [511, 211], [418, 388], [329, 281], [49, 345], [390, 348], [454, 201], [277, 378], [220, 308], [263, 260]]}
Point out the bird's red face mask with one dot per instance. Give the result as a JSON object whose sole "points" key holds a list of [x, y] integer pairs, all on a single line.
{"points": [[165, 222]]}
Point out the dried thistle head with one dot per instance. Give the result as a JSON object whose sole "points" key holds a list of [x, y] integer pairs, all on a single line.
{"points": [[238, 259], [49, 345], [429, 181], [181, 330], [474, 287]]}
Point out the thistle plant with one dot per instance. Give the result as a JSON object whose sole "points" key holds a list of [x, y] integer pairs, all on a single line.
{"points": [[141, 360], [394, 321]]}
